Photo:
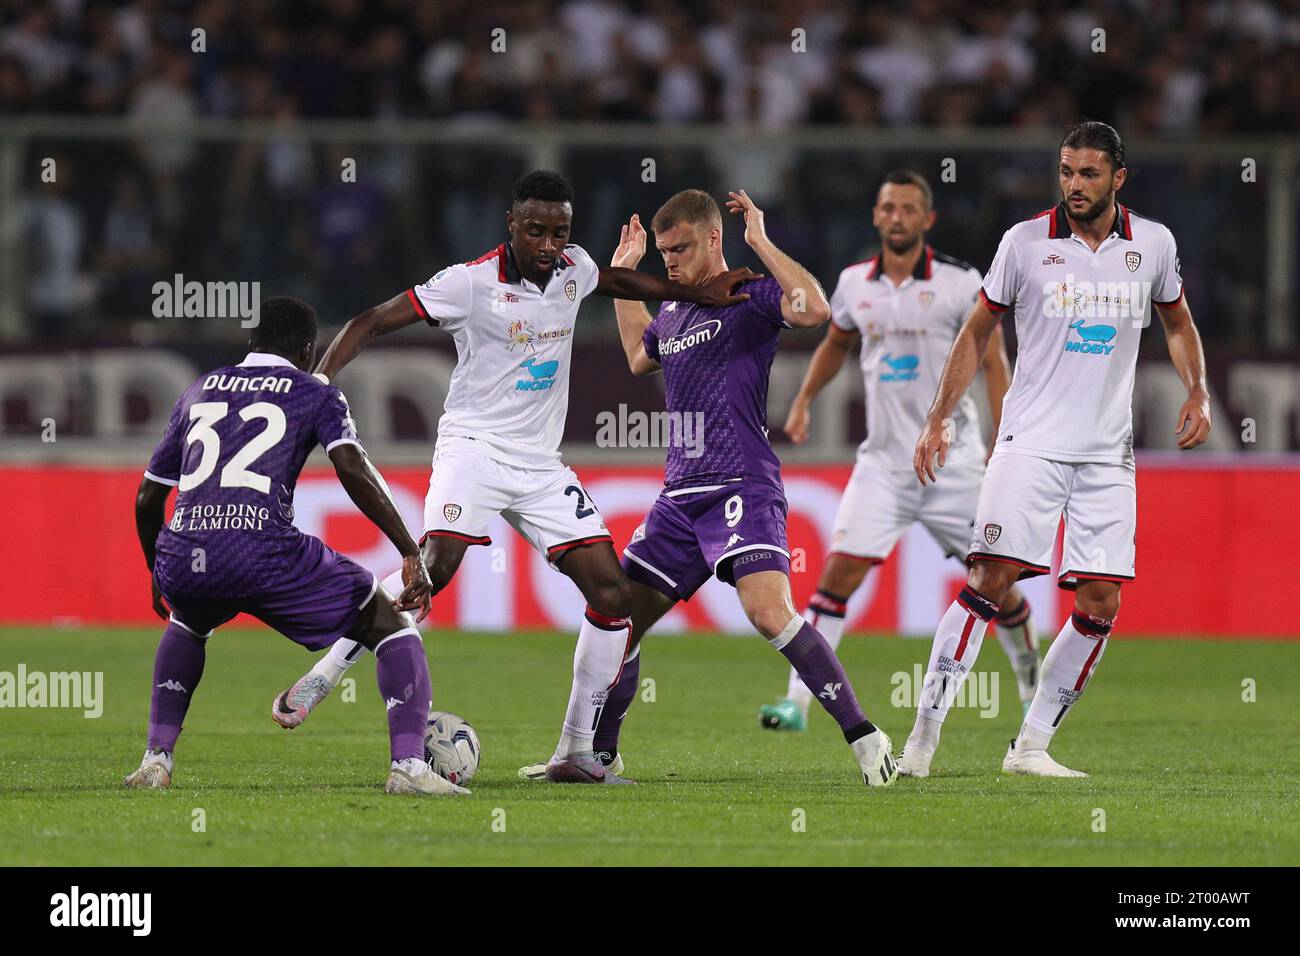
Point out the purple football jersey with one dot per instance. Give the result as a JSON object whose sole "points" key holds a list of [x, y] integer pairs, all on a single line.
{"points": [[235, 445], [716, 363]]}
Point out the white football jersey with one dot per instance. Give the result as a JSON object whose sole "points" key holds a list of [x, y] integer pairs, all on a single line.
{"points": [[1079, 316], [514, 342], [907, 331]]}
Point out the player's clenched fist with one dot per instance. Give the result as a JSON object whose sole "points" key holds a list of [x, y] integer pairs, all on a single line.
{"points": [[631, 244], [933, 442], [1193, 422]]}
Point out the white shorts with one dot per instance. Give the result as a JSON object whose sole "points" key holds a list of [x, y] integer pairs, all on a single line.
{"points": [[879, 505], [546, 504], [1021, 506]]}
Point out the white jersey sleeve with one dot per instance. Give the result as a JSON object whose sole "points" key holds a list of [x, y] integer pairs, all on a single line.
{"points": [[445, 299], [588, 273], [841, 317], [1168, 287], [999, 287]]}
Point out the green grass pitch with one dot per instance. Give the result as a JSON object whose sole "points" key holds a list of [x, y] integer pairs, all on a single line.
{"points": [[1184, 770]]}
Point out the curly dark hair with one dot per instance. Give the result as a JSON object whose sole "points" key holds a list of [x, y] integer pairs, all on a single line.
{"points": [[545, 185]]}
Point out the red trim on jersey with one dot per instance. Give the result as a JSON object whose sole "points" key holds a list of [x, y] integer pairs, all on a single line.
{"points": [[929, 262], [1125, 225], [420, 310], [997, 308], [1165, 305], [555, 549], [441, 533], [1051, 229], [874, 271], [965, 636], [567, 259], [1092, 658], [1045, 212], [500, 253]]}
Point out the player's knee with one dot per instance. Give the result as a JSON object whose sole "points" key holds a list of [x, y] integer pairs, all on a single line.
{"points": [[612, 596], [769, 619], [1098, 601], [842, 576], [992, 579]]}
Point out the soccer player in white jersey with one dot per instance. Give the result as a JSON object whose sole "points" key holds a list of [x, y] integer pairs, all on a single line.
{"points": [[905, 306], [511, 313], [1082, 278]]}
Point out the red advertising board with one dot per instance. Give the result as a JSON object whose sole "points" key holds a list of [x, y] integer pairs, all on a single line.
{"points": [[1213, 548]]}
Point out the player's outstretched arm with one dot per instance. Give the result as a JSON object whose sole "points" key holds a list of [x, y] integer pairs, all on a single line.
{"points": [[150, 503], [368, 491], [397, 313], [825, 365], [623, 283], [633, 317], [804, 303], [958, 372], [1193, 425]]}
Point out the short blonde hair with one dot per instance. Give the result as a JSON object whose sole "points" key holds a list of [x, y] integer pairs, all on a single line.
{"points": [[694, 206]]}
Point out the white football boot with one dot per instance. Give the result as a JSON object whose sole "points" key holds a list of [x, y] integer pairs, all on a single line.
{"points": [[875, 757], [291, 708], [537, 771], [155, 772], [414, 776], [915, 762], [1035, 763]]}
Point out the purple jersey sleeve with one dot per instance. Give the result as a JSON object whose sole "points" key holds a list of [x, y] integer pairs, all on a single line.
{"points": [[651, 342], [165, 462], [334, 424], [765, 297]]}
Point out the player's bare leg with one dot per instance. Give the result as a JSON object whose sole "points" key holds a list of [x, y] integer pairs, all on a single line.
{"points": [[442, 556], [177, 669], [1069, 665], [842, 575], [604, 642], [765, 597], [952, 655], [648, 606]]}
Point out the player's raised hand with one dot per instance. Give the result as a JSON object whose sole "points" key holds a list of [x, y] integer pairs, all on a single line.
{"points": [[796, 423], [417, 594], [755, 230], [1193, 422], [718, 290], [631, 244], [933, 443]]}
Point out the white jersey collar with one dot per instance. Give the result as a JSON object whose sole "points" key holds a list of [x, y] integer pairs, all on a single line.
{"points": [[254, 359]]}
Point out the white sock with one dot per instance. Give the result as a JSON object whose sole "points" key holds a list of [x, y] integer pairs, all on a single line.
{"points": [[1021, 645], [825, 612], [597, 662], [413, 766], [953, 653], [1070, 662], [342, 655], [924, 735]]}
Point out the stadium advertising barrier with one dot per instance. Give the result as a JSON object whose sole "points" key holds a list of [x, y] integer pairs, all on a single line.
{"points": [[1213, 546]]}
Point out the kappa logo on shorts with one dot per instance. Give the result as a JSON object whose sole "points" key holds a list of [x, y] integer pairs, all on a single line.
{"points": [[451, 512], [992, 532], [571, 289]]}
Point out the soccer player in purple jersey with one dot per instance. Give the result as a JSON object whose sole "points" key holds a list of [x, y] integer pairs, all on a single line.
{"points": [[723, 510], [234, 447]]}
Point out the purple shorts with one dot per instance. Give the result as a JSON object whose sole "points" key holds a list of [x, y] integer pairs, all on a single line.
{"points": [[732, 531], [314, 608]]}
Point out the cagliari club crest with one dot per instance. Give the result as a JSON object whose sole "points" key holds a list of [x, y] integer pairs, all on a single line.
{"points": [[451, 512], [1132, 260], [571, 289], [992, 532], [927, 299]]}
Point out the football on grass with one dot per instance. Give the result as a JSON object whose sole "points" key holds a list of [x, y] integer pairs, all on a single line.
{"points": [[451, 747]]}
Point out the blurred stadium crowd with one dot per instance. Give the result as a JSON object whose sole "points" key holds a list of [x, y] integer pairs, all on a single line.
{"points": [[127, 212], [1171, 67]]}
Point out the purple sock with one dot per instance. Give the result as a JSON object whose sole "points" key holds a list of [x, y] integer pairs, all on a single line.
{"points": [[177, 668], [403, 674], [616, 706], [819, 668]]}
